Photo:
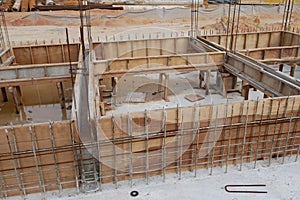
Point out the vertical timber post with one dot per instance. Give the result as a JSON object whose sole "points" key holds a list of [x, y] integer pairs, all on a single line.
{"points": [[4, 94]]}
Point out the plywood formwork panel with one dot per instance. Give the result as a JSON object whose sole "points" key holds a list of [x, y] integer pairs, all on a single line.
{"points": [[275, 39], [23, 55], [196, 59], [142, 48], [109, 50], [276, 53], [124, 49], [98, 49], [40, 94], [36, 162], [119, 65], [40, 55], [139, 48], [289, 53], [158, 61], [215, 39], [226, 133], [224, 41], [181, 46], [137, 63], [168, 46], [57, 54], [296, 39], [74, 52], [240, 41], [177, 60], [159, 64], [251, 41], [263, 40], [256, 54], [43, 54], [154, 48]]}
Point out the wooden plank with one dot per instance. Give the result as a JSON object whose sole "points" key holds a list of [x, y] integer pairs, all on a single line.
{"points": [[22, 55], [56, 54], [39, 55], [24, 5], [47, 163], [194, 97]]}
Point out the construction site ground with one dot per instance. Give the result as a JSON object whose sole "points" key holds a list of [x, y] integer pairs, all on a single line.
{"points": [[282, 183], [50, 26]]}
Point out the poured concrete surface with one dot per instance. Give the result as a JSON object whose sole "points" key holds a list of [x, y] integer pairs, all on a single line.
{"points": [[280, 184]]}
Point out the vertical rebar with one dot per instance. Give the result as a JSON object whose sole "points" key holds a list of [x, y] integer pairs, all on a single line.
{"points": [[291, 13], [55, 158], [82, 170], [281, 128], [3, 191], [228, 24], [229, 139], [295, 131], [177, 139], [259, 133], [274, 133], [164, 144], [192, 19], [69, 56], [130, 148], [12, 130], [197, 140], [180, 147], [75, 157], [238, 133], [147, 146], [193, 135], [244, 138], [232, 27], [37, 161], [17, 173], [252, 130], [267, 129], [224, 134], [208, 137], [114, 151], [289, 129], [237, 26], [284, 13], [214, 141]]}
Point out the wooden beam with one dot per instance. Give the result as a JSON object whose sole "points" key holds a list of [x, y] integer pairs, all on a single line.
{"points": [[245, 90], [166, 87], [4, 94], [293, 69], [160, 79], [261, 76], [12, 90], [281, 67], [61, 95], [201, 78], [207, 82], [19, 94], [33, 81]]}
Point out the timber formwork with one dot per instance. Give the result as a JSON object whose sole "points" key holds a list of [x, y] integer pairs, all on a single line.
{"points": [[155, 142], [96, 146]]}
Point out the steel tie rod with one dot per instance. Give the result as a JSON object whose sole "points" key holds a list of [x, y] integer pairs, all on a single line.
{"points": [[243, 188]]}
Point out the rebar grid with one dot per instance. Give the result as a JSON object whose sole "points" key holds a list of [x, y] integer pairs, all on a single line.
{"points": [[231, 133]]}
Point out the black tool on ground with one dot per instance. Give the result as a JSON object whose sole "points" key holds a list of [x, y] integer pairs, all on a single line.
{"points": [[244, 188], [134, 193]]}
